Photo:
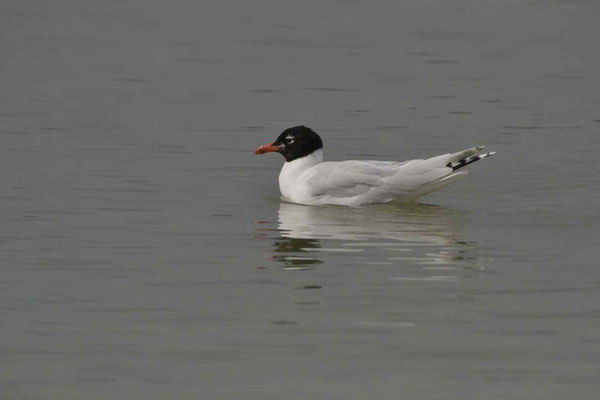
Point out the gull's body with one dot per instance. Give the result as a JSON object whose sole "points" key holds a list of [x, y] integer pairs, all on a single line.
{"points": [[306, 179]]}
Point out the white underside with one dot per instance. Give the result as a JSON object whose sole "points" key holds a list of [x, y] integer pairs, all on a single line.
{"points": [[310, 180]]}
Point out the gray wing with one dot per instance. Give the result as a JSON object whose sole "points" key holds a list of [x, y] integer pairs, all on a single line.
{"points": [[363, 182], [350, 178]]}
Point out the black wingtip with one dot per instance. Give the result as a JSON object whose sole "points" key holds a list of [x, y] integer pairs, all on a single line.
{"points": [[468, 160]]}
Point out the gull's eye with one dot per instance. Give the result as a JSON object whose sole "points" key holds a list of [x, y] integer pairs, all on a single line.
{"points": [[289, 140]]}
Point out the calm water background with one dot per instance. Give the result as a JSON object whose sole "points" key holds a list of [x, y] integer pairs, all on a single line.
{"points": [[144, 251]]}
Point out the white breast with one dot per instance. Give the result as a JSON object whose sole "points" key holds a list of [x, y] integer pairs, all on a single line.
{"points": [[293, 175]]}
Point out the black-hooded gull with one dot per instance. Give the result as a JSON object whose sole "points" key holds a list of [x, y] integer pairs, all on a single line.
{"points": [[306, 179]]}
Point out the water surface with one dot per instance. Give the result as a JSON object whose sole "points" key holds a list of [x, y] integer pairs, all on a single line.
{"points": [[145, 253]]}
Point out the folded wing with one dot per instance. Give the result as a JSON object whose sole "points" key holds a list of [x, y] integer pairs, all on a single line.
{"points": [[364, 182]]}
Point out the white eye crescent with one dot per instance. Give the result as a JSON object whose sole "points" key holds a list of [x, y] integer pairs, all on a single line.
{"points": [[289, 140]]}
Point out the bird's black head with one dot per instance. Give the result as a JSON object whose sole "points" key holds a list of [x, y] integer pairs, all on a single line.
{"points": [[293, 143]]}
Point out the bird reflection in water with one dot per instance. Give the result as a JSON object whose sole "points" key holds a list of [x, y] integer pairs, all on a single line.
{"points": [[296, 253], [427, 236]]}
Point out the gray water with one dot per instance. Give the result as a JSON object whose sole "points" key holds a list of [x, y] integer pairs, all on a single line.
{"points": [[145, 253]]}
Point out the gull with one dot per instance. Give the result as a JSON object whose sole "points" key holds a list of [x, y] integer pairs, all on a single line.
{"points": [[306, 179]]}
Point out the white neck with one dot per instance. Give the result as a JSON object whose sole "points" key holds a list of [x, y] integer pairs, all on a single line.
{"points": [[292, 171]]}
